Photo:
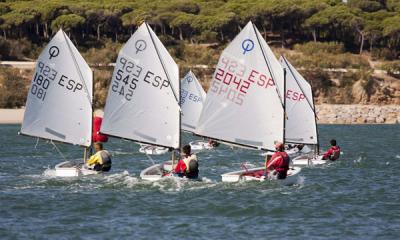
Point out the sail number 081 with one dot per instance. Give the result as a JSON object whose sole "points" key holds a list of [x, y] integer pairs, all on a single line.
{"points": [[39, 86]]}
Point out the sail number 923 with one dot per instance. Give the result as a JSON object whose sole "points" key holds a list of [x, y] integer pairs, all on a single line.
{"points": [[127, 76]]}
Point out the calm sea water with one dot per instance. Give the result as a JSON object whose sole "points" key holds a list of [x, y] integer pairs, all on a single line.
{"points": [[357, 197]]}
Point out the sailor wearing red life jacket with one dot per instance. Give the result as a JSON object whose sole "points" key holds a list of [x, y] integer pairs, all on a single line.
{"points": [[279, 162], [187, 166], [333, 152]]}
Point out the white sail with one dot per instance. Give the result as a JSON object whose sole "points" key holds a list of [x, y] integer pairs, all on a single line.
{"points": [[143, 98], [59, 103], [300, 122], [192, 99], [242, 104]]}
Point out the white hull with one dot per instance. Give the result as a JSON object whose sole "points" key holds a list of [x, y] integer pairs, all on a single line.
{"points": [[294, 152], [157, 171], [153, 150], [199, 145], [306, 160], [69, 169], [292, 176]]}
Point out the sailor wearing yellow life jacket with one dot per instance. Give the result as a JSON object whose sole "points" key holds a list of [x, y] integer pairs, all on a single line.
{"points": [[187, 166], [101, 160]]}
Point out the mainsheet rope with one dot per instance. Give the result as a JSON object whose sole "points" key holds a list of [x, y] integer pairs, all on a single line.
{"points": [[58, 150]]}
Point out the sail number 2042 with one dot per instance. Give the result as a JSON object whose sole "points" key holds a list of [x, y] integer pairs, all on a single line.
{"points": [[233, 80]]}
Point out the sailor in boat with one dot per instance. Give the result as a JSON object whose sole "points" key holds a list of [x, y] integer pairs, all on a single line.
{"points": [[278, 165], [188, 166], [299, 146], [213, 143], [101, 160], [333, 153]]}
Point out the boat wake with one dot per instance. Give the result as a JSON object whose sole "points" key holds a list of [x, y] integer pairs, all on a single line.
{"points": [[167, 184], [120, 152], [175, 184], [125, 180], [358, 160], [300, 181], [121, 180], [49, 173]]}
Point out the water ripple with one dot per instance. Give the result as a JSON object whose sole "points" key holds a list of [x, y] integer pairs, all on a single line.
{"points": [[356, 197]]}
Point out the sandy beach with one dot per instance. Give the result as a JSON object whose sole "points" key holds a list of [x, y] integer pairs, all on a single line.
{"points": [[15, 116], [11, 116]]}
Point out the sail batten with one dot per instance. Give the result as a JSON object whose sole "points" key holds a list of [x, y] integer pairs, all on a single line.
{"points": [[142, 104], [59, 106], [242, 104]]}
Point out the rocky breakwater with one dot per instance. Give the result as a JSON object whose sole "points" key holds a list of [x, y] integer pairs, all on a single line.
{"points": [[358, 114]]}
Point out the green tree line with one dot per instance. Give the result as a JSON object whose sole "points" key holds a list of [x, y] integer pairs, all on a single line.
{"points": [[359, 24]]}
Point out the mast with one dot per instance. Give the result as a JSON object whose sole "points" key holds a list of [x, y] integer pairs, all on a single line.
{"points": [[176, 95], [180, 124], [269, 68], [316, 125], [79, 71], [283, 101], [166, 73], [88, 150], [284, 105], [85, 154], [163, 65]]}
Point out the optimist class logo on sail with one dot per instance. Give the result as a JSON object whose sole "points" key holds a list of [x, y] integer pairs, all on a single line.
{"points": [[46, 74], [186, 95], [233, 79]]}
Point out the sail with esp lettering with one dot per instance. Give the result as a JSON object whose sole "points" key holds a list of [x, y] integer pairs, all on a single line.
{"points": [[192, 99], [143, 98], [244, 104], [59, 102], [300, 122]]}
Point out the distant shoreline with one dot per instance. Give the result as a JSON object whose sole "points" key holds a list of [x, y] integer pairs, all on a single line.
{"points": [[358, 114], [327, 114], [11, 116]]}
